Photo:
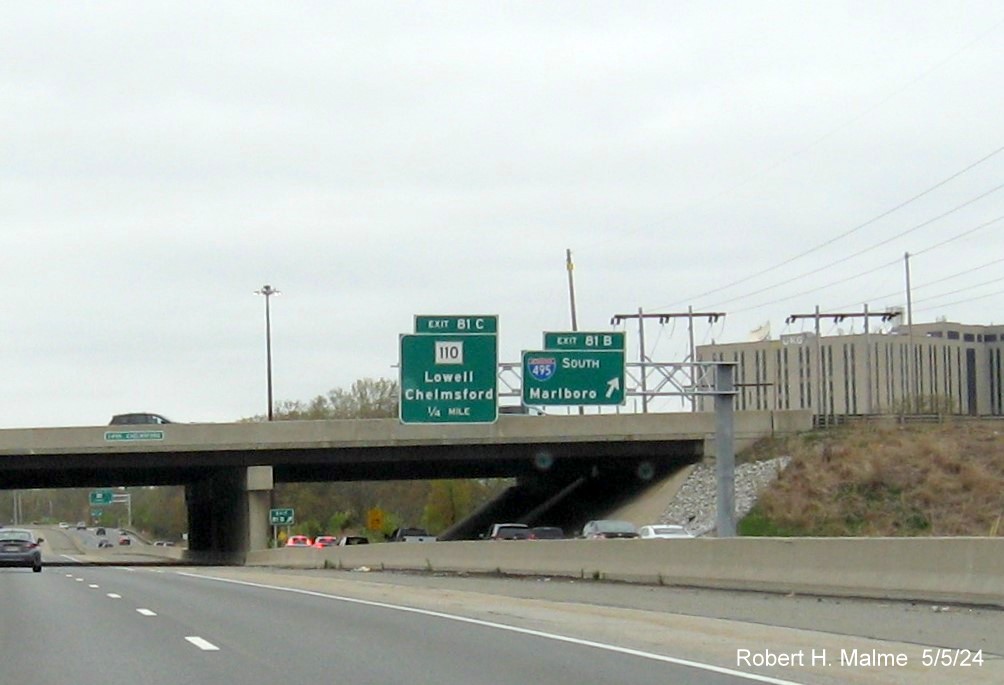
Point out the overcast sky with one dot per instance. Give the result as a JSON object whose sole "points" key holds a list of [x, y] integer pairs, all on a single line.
{"points": [[159, 162]]}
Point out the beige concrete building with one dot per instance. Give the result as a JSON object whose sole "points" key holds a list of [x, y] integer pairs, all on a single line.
{"points": [[942, 367]]}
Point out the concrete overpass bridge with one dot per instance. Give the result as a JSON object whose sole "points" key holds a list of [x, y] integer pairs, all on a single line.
{"points": [[228, 470]]}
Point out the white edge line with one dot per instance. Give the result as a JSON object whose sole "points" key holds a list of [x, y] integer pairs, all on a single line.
{"points": [[73, 559], [514, 629], [204, 645]]}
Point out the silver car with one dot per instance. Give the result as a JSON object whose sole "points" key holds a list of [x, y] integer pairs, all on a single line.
{"points": [[20, 547], [664, 531], [610, 530]]}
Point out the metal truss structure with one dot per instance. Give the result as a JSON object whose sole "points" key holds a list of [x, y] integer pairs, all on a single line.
{"points": [[643, 379]]}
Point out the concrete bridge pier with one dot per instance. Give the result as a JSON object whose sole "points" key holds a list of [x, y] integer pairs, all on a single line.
{"points": [[228, 513]]}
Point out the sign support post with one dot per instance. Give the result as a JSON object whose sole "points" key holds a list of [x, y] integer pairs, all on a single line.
{"points": [[725, 451]]}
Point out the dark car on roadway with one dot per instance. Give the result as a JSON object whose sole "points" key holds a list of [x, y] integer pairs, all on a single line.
{"points": [[138, 419], [547, 533], [20, 548], [521, 410], [609, 529]]}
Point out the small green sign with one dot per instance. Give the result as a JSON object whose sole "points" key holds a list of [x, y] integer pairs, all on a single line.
{"points": [[457, 325], [280, 517], [584, 340], [120, 436], [98, 497]]}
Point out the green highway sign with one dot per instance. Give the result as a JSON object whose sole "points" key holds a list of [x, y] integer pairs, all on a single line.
{"points": [[459, 325], [280, 517], [584, 340], [118, 436], [449, 378], [97, 497], [573, 377]]}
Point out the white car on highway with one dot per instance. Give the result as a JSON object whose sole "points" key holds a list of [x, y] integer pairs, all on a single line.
{"points": [[663, 531]]}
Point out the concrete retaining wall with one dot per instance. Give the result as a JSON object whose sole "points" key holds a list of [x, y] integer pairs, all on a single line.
{"points": [[966, 570]]}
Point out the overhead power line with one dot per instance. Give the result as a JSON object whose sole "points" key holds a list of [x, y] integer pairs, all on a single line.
{"points": [[917, 227], [965, 301], [782, 160], [825, 286], [845, 234], [957, 274], [961, 290], [867, 272]]}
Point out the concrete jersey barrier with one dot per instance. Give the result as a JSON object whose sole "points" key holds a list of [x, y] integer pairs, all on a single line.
{"points": [[951, 570]]}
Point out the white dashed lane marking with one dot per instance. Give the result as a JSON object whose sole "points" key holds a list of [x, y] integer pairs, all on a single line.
{"points": [[204, 645], [146, 612], [112, 595]]}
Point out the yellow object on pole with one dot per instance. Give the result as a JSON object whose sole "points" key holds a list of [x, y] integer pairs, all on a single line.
{"points": [[374, 519]]}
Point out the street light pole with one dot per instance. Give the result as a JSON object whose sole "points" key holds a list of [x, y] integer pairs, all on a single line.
{"points": [[268, 291]]}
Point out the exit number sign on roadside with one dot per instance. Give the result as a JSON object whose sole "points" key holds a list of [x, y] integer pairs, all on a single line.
{"points": [[280, 517]]}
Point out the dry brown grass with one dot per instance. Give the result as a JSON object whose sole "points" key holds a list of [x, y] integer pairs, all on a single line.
{"points": [[884, 480]]}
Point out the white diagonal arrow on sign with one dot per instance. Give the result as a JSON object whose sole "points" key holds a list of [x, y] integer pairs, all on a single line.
{"points": [[613, 385]]}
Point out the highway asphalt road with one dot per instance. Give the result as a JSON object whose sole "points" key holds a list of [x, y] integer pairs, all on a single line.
{"points": [[98, 624], [68, 545]]}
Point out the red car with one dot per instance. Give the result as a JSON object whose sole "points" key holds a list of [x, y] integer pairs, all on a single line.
{"points": [[322, 541], [298, 541]]}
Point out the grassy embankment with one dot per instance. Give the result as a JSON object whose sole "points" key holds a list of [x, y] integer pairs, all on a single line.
{"points": [[884, 480]]}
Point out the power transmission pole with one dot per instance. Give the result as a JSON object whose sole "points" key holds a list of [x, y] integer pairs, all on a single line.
{"points": [[837, 318], [912, 374], [571, 288], [571, 301], [663, 319]]}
